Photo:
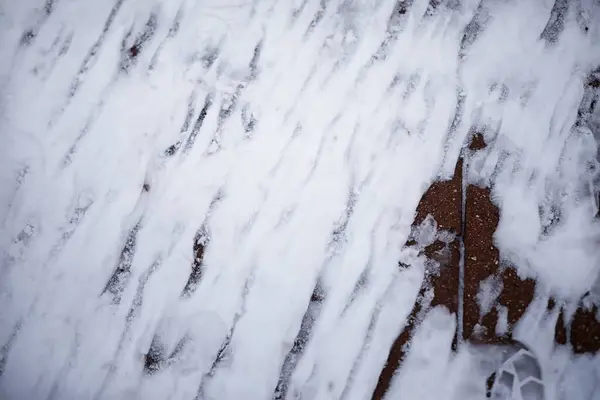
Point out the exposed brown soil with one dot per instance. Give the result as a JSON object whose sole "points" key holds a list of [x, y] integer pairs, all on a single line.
{"points": [[443, 200], [399, 349], [582, 332], [481, 257], [477, 142], [445, 284], [516, 295], [585, 331], [482, 261]]}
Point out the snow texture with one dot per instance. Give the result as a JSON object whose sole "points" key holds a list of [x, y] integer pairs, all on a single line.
{"points": [[207, 199]]}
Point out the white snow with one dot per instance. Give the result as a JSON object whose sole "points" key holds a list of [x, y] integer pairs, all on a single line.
{"points": [[330, 126]]}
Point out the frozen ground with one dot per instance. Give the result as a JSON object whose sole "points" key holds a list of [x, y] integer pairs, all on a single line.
{"points": [[209, 199]]}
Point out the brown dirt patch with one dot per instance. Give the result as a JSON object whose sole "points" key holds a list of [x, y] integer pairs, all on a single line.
{"points": [[582, 332], [516, 295], [477, 142], [481, 258], [443, 200]]}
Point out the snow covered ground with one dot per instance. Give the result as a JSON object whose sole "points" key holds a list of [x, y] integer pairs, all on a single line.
{"points": [[186, 185]]}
